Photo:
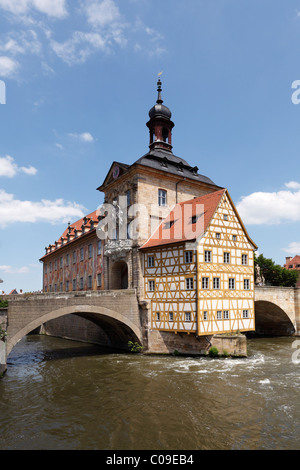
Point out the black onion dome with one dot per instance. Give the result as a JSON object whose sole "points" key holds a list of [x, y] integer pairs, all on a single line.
{"points": [[159, 109]]}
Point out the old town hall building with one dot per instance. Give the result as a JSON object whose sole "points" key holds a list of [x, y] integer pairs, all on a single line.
{"points": [[168, 232]]}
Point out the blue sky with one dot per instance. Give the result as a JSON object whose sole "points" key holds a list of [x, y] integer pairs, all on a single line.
{"points": [[80, 78]]}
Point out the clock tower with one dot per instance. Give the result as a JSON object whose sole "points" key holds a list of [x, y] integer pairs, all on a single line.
{"points": [[142, 194]]}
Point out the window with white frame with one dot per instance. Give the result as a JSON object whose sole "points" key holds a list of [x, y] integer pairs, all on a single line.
{"points": [[99, 247], [226, 257], [150, 261], [245, 313], [188, 256], [205, 315], [218, 235], [187, 316], [219, 315], [226, 314], [231, 283], [162, 197], [171, 316], [216, 283], [99, 280], [246, 284], [225, 216], [207, 256], [189, 283], [205, 283], [234, 238], [151, 285], [244, 259]]}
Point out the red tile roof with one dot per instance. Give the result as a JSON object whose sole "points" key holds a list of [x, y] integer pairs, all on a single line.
{"points": [[75, 226], [188, 220], [294, 261]]}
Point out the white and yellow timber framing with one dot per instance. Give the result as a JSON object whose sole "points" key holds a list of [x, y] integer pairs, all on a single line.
{"points": [[220, 298], [230, 306], [173, 305]]}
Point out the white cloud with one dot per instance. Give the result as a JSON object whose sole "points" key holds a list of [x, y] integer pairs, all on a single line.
{"points": [[84, 137], [9, 168], [59, 211], [11, 270], [101, 13], [53, 8], [293, 248], [293, 185], [79, 47], [8, 66], [21, 42], [263, 208]]}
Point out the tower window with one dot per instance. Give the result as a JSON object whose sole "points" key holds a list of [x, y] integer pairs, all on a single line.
{"points": [[152, 136], [162, 197]]}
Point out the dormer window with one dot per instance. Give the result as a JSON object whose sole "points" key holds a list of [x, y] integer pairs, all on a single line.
{"points": [[180, 167]]}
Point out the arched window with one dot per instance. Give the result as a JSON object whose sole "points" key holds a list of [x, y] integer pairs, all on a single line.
{"points": [[165, 135]]}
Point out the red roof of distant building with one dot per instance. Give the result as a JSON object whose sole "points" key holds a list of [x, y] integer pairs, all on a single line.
{"points": [[14, 291], [293, 262]]}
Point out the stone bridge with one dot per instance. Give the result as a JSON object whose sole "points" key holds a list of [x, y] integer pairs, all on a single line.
{"points": [[117, 313], [277, 311], [120, 315]]}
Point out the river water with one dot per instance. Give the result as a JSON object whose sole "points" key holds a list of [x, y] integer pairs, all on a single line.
{"points": [[59, 394]]}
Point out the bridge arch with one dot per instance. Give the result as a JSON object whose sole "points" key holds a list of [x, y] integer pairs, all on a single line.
{"points": [[118, 328], [272, 320]]}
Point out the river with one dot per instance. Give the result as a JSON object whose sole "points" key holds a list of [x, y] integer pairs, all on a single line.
{"points": [[59, 394]]}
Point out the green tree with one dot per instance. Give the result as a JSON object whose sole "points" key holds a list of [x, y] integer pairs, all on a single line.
{"points": [[274, 274]]}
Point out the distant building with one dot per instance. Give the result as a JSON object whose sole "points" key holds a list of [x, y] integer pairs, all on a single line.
{"points": [[293, 263], [177, 239]]}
